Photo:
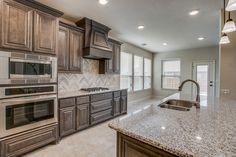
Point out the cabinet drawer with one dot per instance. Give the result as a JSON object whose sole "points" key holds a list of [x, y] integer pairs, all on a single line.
{"points": [[82, 100], [116, 94], [99, 97], [101, 116], [63, 103], [24, 143], [101, 105], [124, 92]]}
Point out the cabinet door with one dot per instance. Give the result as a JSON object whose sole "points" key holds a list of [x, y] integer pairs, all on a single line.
{"points": [[116, 58], [67, 121], [45, 32], [63, 48], [123, 105], [82, 116], [76, 50], [109, 63], [116, 107], [16, 26]]}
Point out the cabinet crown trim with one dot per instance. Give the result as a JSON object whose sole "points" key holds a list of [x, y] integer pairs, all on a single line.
{"points": [[41, 7]]}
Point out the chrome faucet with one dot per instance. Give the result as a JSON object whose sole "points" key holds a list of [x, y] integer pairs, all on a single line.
{"points": [[198, 90]]}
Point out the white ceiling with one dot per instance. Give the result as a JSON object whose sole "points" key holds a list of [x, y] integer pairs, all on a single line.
{"points": [[164, 20]]}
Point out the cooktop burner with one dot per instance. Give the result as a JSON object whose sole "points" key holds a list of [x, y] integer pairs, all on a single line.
{"points": [[95, 89]]}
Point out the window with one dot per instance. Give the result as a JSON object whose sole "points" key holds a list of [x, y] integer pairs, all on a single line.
{"points": [[126, 71], [170, 74], [147, 73], [138, 73]]}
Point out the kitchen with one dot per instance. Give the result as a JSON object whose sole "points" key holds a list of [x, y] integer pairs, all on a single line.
{"points": [[81, 78]]}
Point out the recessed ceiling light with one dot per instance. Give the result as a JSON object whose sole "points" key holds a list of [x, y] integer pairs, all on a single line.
{"points": [[144, 44], [141, 27], [103, 2], [165, 44], [194, 12], [200, 38]]}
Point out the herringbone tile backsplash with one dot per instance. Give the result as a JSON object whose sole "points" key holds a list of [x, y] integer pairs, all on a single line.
{"points": [[89, 78]]}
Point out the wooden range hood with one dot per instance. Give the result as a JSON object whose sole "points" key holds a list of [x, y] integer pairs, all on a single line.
{"points": [[96, 40]]}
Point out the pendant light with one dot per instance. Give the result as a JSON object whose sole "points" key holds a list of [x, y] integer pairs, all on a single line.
{"points": [[224, 38], [229, 26], [231, 5]]}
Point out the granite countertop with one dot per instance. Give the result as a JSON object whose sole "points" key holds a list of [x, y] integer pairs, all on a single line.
{"points": [[206, 132], [77, 93]]}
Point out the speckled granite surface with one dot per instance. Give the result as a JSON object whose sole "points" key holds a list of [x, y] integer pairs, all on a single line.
{"points": [[206, 132], [69, 94]]}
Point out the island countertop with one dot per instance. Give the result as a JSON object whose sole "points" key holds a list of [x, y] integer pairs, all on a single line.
{"points": [[206, 132]]}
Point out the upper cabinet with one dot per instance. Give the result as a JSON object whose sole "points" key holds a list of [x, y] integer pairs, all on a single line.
{"points": [[45, 32], [70, 48], [111, 66], [16, 23], [96, 45], [28, 26]]}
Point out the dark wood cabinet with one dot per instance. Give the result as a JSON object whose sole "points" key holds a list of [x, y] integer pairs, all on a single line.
{"points": [[70, 48], [111, 66], [63, 48], [67, 121], [28, 26], [76, 50], [81, 112], [82, 116], [16, 25], [129, 147], [123, 104], [116, 106], [23, 143], [45, 32]]}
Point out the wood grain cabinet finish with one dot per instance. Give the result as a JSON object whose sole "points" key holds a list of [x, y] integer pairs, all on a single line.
{"points": [[123, 104], [23, 143], [129, 147], [70, 48], [45, 32], [16, 25], [76, 50], [63, 48], [101, 116], [67, 121], [111, 66], [116, 106], [82, 116]]}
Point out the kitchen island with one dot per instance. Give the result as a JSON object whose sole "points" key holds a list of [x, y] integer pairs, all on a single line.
{"points": [[153, 131]]}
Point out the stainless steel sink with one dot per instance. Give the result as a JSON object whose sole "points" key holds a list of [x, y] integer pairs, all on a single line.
{"points": [[180, 105]]}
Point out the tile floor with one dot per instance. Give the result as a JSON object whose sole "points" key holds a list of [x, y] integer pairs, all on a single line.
{"points": [[98, 141]]}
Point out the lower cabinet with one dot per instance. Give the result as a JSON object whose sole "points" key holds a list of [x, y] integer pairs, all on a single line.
{"points": [[82, 116], [67, 121], [116, 106], [81, 112], [28, 141], [123, 104]]}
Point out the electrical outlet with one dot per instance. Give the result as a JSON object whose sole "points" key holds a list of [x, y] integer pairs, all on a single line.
{"points": [[226, 91]]}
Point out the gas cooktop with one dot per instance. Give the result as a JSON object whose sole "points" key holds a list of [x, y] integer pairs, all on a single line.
{"points": [[94, 89]]}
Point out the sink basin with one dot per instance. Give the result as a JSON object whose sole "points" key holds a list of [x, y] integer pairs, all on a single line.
{"points": [[180, 105]]}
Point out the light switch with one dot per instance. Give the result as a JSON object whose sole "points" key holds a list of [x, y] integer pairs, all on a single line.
{"points": [[225, 91]]}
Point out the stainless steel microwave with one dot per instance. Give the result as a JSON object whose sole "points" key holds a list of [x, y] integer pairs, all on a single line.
{"points": [[23, 68]]}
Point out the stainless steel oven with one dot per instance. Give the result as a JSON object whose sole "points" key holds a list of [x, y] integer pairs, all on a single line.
{"points": [[25, 113], [23, 68]]}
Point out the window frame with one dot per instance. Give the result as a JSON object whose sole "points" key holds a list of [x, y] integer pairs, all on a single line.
{"points": [[143, 75], [162, 70]]}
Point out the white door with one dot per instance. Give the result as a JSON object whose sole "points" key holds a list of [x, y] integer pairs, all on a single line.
{"points": [[204, 74]]}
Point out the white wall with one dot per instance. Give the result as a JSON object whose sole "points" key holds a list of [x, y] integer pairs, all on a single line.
{"points": [[187, 57], [129, 48]]}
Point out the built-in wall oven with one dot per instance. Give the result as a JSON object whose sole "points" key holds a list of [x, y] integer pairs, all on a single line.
{"points": [[27, 107], [25, 68]]}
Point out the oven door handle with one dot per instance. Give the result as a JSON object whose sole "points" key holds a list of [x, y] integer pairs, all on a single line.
{"points": [[28, 99]]}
